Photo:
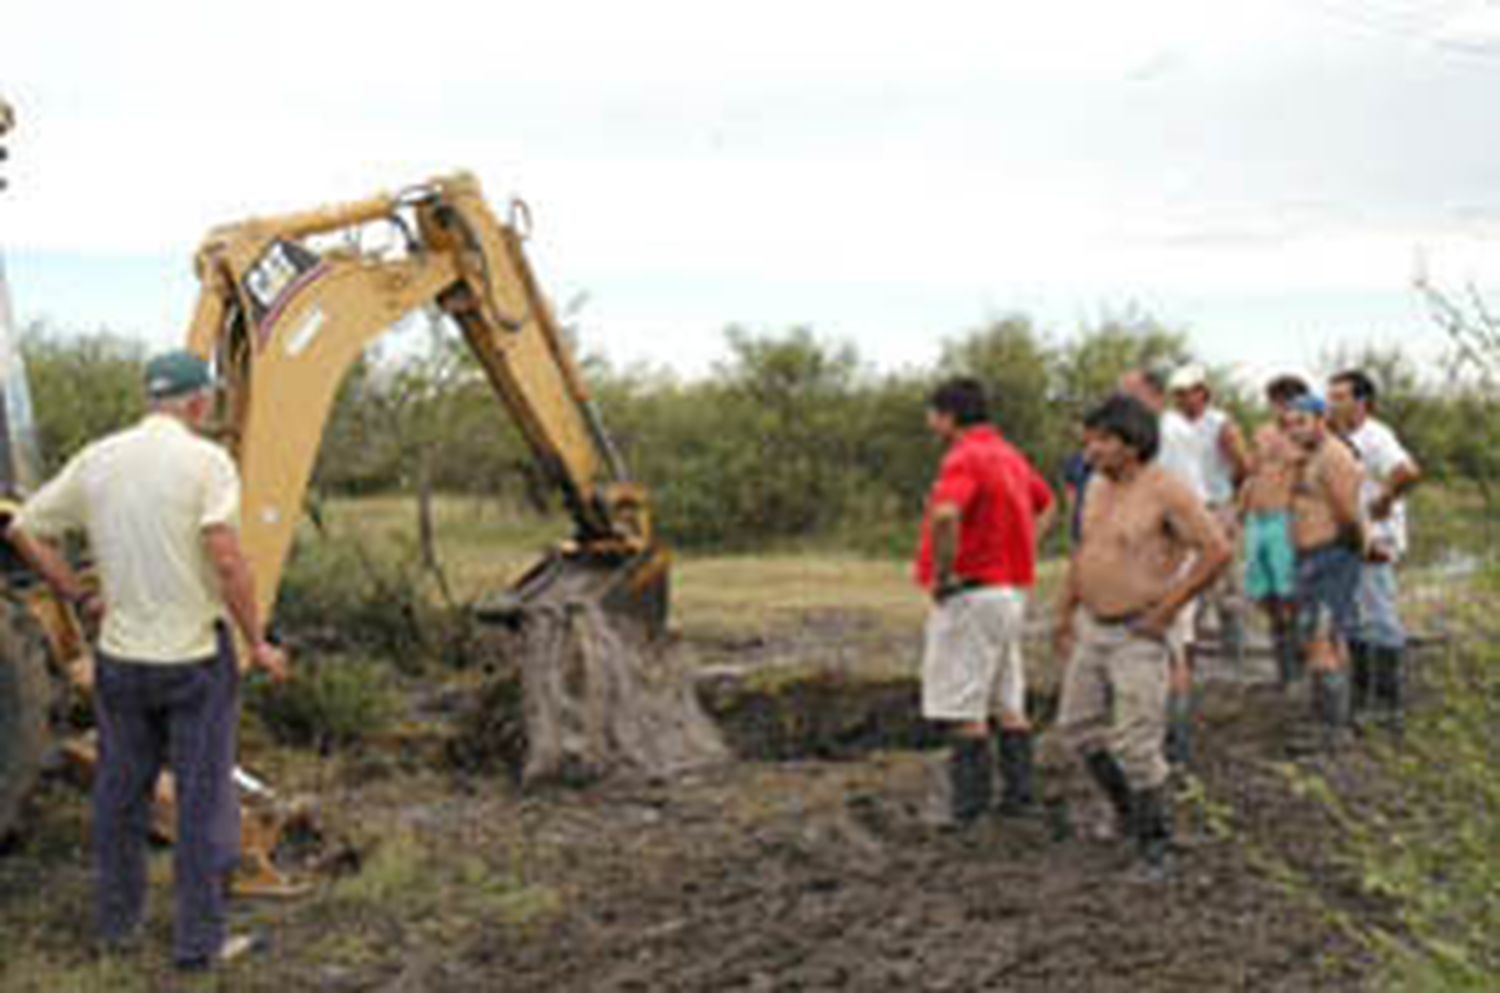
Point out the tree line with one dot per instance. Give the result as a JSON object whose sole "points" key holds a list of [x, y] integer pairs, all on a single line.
{"points": [[790, 437]]}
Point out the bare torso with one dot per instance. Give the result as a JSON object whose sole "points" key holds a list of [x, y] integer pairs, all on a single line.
{"points": [[1269, 487], [1137, 536], [1329, 477]]}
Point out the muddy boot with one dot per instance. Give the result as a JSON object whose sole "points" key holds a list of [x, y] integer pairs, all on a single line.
{"points": [[971, 773], [1111, 779], [1288, 655], [1361, 680], [1178, 744], [1333, 703], [1018, 791], [1153, 832], [1231, 635], [1387, 681], [1309, 736]]}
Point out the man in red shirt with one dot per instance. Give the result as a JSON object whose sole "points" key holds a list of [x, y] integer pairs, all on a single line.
{"points": [[977, 559]]}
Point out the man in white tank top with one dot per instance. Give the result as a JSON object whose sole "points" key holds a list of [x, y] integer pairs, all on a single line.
{"points": [[1223, 463], [1178, 455]]}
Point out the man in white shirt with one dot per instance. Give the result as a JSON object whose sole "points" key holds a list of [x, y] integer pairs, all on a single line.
{"points": [[1377, 653], [160, 508]]}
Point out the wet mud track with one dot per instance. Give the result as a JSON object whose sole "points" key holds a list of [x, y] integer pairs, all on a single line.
{"points": [[832, 880], [825, 875], [787, 872]]}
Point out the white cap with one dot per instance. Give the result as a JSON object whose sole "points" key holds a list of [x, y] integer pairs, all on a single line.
{"points": [[1186, 377]]}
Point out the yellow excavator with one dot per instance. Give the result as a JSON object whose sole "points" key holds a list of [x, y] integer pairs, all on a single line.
{"points": [[287, 304]]}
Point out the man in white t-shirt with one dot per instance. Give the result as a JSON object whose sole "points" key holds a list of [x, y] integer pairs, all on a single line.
{"points": [[160, 507], [1377, 653]]}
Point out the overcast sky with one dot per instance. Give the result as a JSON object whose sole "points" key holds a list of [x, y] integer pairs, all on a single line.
{"points": [[1264, 174]]}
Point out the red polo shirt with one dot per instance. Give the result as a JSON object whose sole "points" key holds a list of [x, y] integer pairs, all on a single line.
{"points": [[1000, 494]]}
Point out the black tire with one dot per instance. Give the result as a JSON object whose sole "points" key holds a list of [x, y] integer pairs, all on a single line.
{"points": [[25, 709]]}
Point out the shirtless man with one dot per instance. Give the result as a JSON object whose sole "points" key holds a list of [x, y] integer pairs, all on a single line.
{"points": [[1266, 505], [1328, 530], [1148, 546], [1177, 453]]}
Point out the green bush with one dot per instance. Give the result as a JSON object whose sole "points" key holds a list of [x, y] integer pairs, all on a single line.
{"points": [[331, 702], [352, 593]]}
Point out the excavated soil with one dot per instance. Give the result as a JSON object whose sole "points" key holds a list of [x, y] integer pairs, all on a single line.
{"points": [[808, 864]]}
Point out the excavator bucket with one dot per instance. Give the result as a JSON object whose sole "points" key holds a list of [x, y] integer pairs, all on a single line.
{"points": [[632, 588]]}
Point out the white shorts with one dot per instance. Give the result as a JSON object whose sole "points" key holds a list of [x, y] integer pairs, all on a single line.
{"points": [[971, 665]]}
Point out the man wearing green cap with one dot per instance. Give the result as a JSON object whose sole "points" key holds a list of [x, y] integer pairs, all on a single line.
{"points": [[160, 507]]}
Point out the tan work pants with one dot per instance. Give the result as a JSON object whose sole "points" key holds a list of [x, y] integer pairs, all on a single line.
{"points": [[1114, 698]]}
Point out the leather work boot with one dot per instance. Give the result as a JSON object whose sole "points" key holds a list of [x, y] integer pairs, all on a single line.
{"points": [[971, 773], [1111, 779], [1017, 776]]}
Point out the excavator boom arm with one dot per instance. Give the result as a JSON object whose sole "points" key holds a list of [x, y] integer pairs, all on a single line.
{"points": [[284, 319]]}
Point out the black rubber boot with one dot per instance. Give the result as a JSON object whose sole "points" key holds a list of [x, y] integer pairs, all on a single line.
{"points": [[1017, 779], [1111, 779], [1178, 744], [1387, 686], [971, 772], [1361, 678], [1153, 830], [1231, 635], [1288, 652]]}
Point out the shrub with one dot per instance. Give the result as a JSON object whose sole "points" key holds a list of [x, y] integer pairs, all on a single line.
{"points": [[333, 702], [373, 596]]}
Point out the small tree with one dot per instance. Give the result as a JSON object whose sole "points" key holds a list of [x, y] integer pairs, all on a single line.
{"points": [[82, 387]]}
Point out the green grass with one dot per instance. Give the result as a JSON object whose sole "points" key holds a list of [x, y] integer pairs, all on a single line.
{"points": [[483, 546]]}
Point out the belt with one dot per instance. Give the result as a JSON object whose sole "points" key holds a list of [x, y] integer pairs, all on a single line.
{"points": [[1327, 546], [1118, 620]]}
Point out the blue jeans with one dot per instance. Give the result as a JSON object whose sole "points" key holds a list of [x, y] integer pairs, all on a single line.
{"points": [[1379, 623], [1327, 589], [183, 715]]}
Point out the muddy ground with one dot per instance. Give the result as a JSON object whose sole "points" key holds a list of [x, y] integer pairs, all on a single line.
{"points": [[779, 872]]}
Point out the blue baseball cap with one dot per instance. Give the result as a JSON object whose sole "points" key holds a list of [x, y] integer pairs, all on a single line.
{"points": [[1310, 403], [176, 373]]}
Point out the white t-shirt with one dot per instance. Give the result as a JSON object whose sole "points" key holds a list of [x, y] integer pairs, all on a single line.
{"points": [[1381, 452], [144, 497], [1178, 452]]}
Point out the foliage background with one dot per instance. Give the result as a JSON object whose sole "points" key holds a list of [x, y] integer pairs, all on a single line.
{"points": [[792, 438]]}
